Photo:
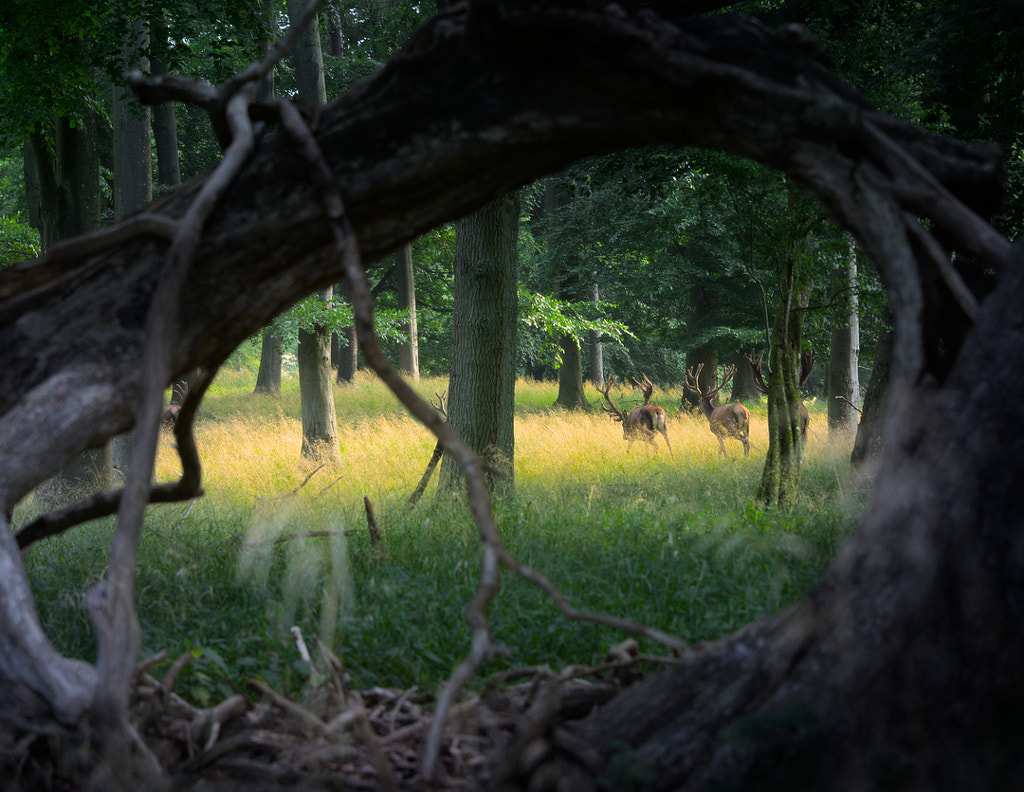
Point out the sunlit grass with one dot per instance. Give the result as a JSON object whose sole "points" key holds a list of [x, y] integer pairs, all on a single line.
{"points": [[670, 540]]}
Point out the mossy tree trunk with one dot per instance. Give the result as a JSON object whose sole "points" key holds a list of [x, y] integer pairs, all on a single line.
{"points": [[780, 478]]}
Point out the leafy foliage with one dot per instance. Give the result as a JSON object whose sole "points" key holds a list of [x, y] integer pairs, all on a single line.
{"points": [[18, 241], [554, 319]]}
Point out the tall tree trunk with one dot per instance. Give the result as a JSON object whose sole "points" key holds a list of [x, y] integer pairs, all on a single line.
{"points": [[571, 394], [268, 377], [319, 421], [409, 351], [844, 360], [481, 388], [165, 128], [346, 359], [344, 347], [780, 478], [742, 381], [316, 395], [594, 339], [133, 165], [867, 448]]}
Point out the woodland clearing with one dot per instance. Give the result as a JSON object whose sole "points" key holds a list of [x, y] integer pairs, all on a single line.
{"points": [[278, 546]]}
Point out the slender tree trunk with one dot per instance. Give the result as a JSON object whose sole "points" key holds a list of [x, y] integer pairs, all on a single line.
{"points": [[409, 352], [133, 166], [481, 389], [571, 395], [344, 346], [867, 448], [268, 377], [594, 339], [347, 358], [319, 422], [31, 171], [844, 360], [165, 128]]}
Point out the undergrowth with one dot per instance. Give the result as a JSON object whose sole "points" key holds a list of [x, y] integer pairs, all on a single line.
{"points": [[675, 542]]}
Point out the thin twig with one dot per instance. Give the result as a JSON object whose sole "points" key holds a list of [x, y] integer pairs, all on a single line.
{"points": [[425, 478], [854, 406], [371, 523], [308, 719]]}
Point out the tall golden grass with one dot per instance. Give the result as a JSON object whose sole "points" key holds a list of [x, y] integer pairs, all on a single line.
{"points": [[250, 445]]}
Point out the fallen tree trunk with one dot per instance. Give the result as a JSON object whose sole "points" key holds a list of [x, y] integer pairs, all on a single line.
{"points": [[482, 100]]}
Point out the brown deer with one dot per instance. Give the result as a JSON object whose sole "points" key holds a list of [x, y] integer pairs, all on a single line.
{"points": [[806, 364], [640, 422], [726, 420]]}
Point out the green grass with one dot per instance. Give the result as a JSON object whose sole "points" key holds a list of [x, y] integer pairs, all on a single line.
{"points": [[672, 542]]}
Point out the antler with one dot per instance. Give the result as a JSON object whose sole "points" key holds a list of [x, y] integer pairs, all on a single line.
{"points": [[693, 378], [755, 367], [614, 411], [646, 387], [439, 404]]}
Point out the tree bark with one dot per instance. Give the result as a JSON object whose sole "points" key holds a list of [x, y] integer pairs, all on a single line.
{"points": [[481, 387], [165, 128], [133, 167], [868, 445], [742, 381], [594, 340], [571, 395], [268, 376], [409, 351], [347, 359], [844, 358]]}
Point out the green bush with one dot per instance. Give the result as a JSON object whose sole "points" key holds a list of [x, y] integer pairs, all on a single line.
{"points": [[18, 241]]}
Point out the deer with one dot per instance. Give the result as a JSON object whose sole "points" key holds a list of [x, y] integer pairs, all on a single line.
{"points": [[640, 422], [726, 420], [806, 364]]}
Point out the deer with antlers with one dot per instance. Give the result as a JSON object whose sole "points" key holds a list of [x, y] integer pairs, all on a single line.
{"points": [[726, 420], [640, 422], [806, 364]]}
